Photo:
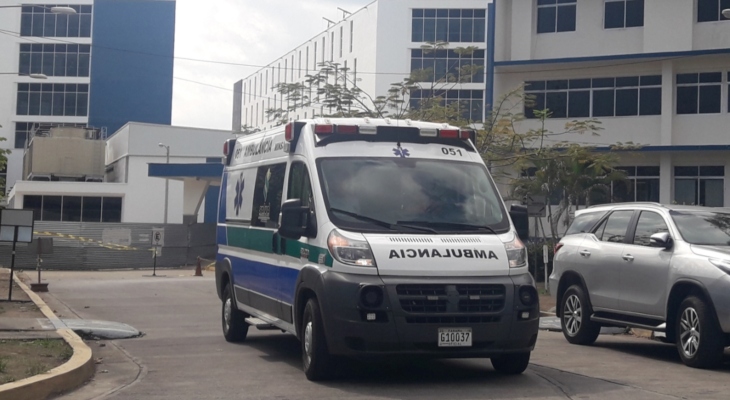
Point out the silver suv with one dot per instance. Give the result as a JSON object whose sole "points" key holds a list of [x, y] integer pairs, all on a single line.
{"points": [[650, 266]]}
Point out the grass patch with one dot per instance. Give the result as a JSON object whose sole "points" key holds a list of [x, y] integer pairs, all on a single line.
{"points": [[21, 359]]}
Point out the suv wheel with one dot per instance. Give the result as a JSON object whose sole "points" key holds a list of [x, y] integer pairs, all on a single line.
{"points": [[575, 317], [699, 338]]}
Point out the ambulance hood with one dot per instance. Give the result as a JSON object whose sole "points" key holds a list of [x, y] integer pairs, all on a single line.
{"points": [[439, 255]]}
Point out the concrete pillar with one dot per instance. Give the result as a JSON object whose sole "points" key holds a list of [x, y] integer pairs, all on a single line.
{"points": [[666, 178], [193, 195], [667, 102]]}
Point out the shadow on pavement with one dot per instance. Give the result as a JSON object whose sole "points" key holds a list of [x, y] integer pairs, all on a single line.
{"points": [[655, 350], [286, 348]]}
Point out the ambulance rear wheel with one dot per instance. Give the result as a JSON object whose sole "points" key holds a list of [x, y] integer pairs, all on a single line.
{"points": [[233, 321], [315, 356]]}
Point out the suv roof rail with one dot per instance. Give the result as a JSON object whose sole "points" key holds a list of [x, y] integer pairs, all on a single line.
{"points": [[627, 203]]}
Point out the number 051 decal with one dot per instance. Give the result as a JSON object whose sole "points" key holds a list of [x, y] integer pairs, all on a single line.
{"points": [[451, 152]]}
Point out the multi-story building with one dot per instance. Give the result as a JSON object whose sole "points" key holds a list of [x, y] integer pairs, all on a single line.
{"points": [[654, 72], [98, 66], [378, 45]]}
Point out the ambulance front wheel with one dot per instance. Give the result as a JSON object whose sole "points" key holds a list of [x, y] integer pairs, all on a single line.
{"points": [[233, 321], [511, 364], [315, 356]]}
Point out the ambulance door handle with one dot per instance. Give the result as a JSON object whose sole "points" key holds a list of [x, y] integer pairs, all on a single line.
{"points": [[276, 243]]}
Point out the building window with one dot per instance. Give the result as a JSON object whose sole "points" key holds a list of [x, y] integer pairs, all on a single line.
{"points": [[269, 188], [623, 13], [598, 97], [702, 186], [641, 184], [342, 30], [556, 16], [352, 34], [26, 130], [699, 93], [448, 64], [448, 25], [74, 208], [53, 99], [306, 62], [314, 65], [55, 59], [471, 101], [323, 49], [711, 10], [38, 20]]}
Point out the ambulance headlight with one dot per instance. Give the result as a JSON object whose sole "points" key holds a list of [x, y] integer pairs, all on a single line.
{"points": [[516, 253], [350, 251]]}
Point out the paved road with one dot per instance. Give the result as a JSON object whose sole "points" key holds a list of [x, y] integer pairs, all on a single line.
{"points": [[183, 356]]}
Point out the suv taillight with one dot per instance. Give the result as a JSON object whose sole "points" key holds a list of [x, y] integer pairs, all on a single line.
{"points": [[557, 247]]}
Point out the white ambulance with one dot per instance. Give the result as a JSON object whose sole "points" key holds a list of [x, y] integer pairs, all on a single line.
{"points": [[368, 237]]}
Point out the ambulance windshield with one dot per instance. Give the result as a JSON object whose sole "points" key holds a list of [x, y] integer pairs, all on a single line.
{"points": [[387, 194]]}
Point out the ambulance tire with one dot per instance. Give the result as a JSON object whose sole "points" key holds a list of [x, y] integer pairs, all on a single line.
{"points": [[315, 356], [233, 320]]}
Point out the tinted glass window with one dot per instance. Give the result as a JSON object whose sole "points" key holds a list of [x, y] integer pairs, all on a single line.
{"points": [[708, 228], [437, 194], [267, 195], [616, 226], [51, 208], [649, 224], [584, 222], [299, 185], [72, 208], [111, 209], [34, 203], [91, 209]]}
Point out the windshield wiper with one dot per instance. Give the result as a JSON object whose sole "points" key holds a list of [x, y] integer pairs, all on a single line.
{"points": [[451, 225], [381, 223], [363, 218]]}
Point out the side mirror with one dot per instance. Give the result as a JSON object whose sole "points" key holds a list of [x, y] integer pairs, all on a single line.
{"points": [[521, 221], [661, 239], [293, 220]]}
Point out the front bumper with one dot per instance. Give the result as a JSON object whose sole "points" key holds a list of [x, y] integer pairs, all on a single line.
{"points": [[408, 325]]}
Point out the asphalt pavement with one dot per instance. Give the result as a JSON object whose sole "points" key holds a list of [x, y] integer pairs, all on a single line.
{"points": [[182, 355]]}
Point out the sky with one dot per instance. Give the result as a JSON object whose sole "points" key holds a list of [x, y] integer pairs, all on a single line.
{"points": [[253, 32]]}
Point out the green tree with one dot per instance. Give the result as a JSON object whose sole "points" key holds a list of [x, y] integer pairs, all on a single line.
{"points": [[334, 90], [574, 173]]}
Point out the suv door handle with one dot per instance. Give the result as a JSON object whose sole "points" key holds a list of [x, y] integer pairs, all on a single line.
{"points": [[628, 257], [585, 253]]}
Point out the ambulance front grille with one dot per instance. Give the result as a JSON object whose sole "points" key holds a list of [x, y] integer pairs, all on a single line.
{"points": [[424, 299]]}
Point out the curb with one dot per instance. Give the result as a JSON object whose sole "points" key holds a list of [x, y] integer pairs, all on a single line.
{"points": [[77, 370]]}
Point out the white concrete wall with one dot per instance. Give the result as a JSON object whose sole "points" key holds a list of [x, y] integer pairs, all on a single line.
{"points": [[669, 26]]}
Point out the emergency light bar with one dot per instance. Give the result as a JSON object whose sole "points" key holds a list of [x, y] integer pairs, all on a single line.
{"points": [[341, 132]]}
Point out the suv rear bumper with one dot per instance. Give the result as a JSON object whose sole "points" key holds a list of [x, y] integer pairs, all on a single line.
{"points": [[507, 327]]}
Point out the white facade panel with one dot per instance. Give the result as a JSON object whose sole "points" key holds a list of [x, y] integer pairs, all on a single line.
{"points": [[129, 153]]}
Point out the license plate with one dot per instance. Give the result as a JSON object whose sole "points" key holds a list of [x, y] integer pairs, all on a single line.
{"points": [[454, 337]]}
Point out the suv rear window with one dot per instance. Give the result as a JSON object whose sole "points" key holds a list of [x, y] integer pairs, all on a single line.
{"points": [[584, 222]]}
